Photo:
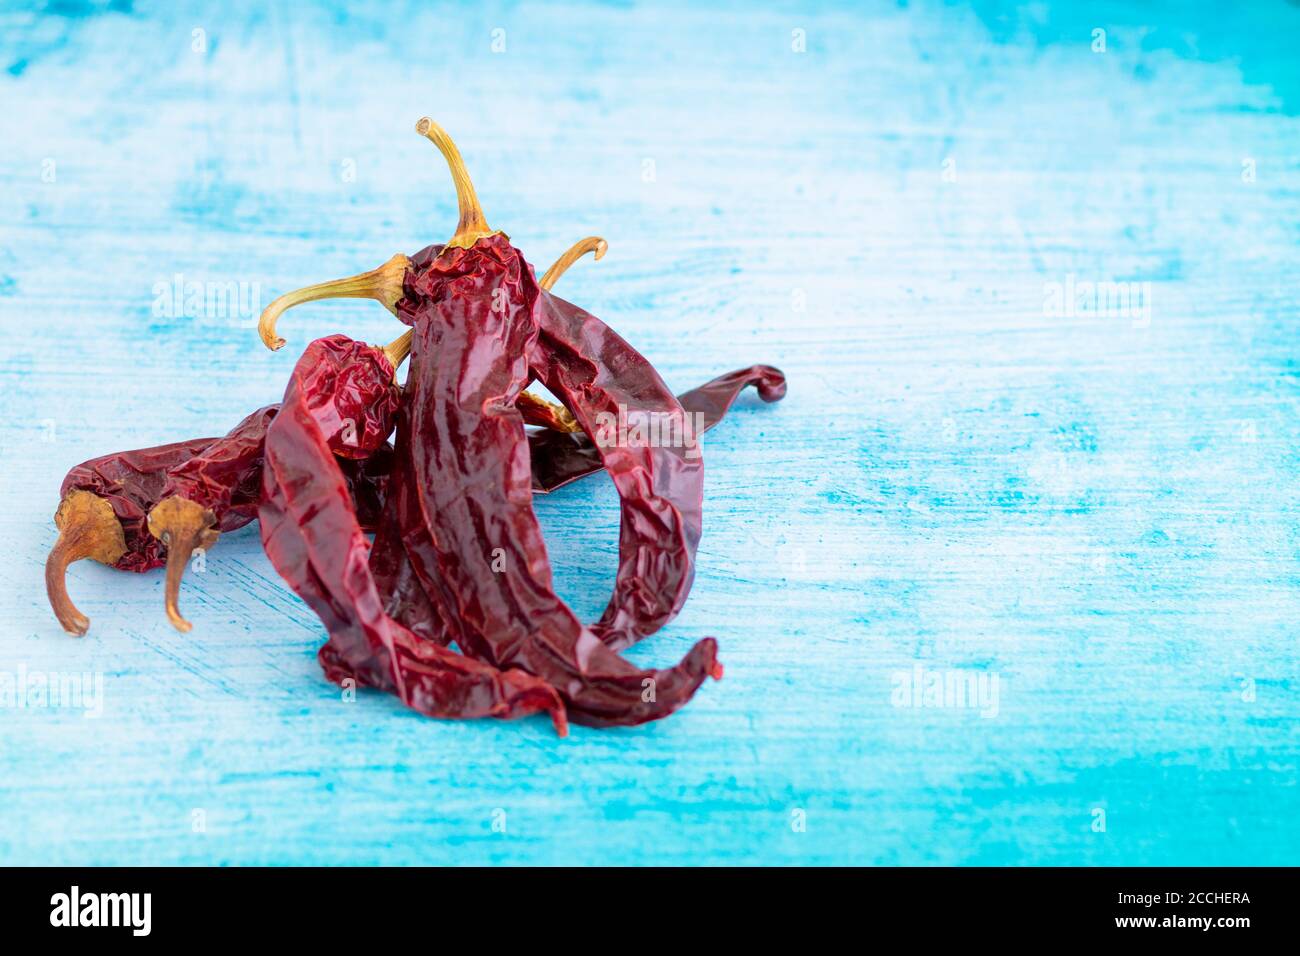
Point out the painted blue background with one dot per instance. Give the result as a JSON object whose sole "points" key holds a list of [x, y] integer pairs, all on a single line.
{"points": [[1100, 512]]}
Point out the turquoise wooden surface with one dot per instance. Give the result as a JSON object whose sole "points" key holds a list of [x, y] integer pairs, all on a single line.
{"points": [[1093, 514]]}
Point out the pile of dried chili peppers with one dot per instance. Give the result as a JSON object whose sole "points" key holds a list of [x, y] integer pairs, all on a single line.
{"points": [[457, 556]]}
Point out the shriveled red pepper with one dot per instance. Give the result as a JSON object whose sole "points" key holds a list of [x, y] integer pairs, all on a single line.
{"points": [[107, 504], [312, 538], [649, 444], [404, 596], [608, 385], [102, 515]]}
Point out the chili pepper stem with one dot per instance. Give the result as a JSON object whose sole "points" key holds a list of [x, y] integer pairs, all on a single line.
{"points": [[538, 411], [575, 252], [88, 528], [384, 285], [183, 526], [472, 226], [398, 349]]}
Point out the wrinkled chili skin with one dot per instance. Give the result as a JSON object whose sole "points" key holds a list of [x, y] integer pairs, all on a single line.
{"points": [[134, 481], [560, 458], [367, 481], [464, 460], [226, 476], [593, 371], [405, 600], [311, 535]]}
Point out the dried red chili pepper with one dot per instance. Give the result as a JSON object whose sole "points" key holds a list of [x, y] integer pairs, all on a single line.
{"points": [[659, 478], [404, 597], [101, 515], [106, 504], [639, 606], [312, 538]]}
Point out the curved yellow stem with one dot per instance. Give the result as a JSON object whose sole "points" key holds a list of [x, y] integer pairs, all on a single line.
{"points": [[575, 252], [472, 226], [184, 527], [384, 285], [88, 528]]}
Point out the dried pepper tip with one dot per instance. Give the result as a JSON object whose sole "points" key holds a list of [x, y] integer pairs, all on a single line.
{"points": [[716, 670], [183, 526], [88, 528], [472, 226], [576, 251], [384, 285]]}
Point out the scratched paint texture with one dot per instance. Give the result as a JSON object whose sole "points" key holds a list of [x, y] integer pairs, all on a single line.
{"points": [[1099, 511]]}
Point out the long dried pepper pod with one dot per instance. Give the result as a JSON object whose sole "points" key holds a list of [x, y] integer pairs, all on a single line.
{"points": [[404, 598], [463, 469]]}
